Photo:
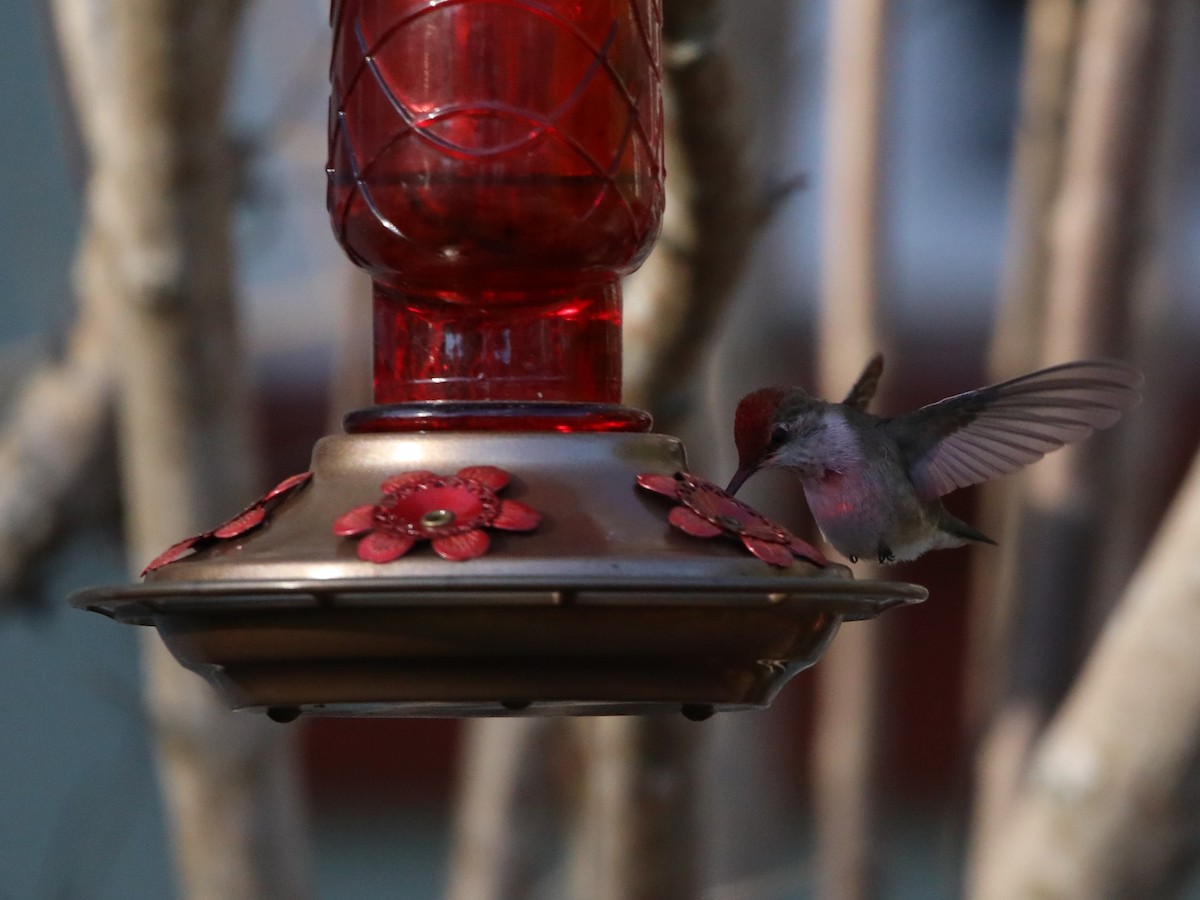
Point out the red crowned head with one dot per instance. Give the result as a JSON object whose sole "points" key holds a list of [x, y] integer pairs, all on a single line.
{"points": [[759, 427]]}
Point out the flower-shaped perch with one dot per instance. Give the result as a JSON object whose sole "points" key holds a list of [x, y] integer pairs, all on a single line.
{"points": [[707, 511], [449, 511], [247, 520]]}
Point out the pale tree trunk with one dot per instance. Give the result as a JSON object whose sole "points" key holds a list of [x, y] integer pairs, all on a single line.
{"points": [[635, 834], [1122, 750], [1169, 840], [1048, 56], [1160, 345], [639, 837], [506, 804], [1048, 65], [149, 77], [849, 705], [1090, 273]]}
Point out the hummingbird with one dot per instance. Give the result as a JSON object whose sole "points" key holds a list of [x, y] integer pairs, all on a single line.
{"points": [[874, 484]]}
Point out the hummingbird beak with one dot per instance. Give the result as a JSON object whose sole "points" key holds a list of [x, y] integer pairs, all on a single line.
{"points": [[739, 478]]}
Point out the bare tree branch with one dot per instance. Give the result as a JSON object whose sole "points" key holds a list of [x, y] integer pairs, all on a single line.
{"points": [[1048, 54], [639, 838], [1159, 345], [1048, 57], [633, 840], [1124, 743], [850, 703], [60, 416], [1089, 271], [506, 806], [1047, 76], [714, 208], [148, 77], [638, 831], [55, 429]]}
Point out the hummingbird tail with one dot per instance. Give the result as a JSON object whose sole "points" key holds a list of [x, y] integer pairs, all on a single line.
{"points": [[961, 529]]}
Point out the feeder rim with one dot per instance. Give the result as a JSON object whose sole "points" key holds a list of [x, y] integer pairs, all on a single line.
{"points": [[143, 603]]}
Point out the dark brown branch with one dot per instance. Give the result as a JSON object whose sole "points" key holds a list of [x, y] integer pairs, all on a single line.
{"points": [[714, 209]]}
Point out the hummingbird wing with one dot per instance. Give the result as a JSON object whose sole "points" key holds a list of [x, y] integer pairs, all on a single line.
{"points": [[864, 389], [983, 434]]}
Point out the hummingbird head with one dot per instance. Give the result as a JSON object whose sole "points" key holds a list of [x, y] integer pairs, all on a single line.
{"points": [[769, 429]]}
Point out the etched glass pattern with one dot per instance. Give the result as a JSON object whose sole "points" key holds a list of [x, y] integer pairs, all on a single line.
{"points": [[496, 165]]}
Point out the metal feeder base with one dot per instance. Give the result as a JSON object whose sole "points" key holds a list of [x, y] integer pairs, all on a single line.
{"points": [[604, 609]]}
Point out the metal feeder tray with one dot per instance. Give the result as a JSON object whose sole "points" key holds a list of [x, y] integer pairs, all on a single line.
{"points": [[604, 609]]}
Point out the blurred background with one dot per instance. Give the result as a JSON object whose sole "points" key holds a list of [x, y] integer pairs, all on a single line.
{"points": [[83, 812]]}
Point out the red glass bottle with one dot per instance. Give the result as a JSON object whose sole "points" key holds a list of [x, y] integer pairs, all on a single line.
{"points": [[496, 166]]}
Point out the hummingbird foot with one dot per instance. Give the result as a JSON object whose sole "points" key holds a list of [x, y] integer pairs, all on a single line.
{"points": [[885, 554]]}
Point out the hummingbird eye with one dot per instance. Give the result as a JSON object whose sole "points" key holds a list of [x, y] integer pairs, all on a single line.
{"points": [[779, 434]]}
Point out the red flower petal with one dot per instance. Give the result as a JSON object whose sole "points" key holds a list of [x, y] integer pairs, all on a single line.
{"points": [[807, 551], [359, 520], [381, 547], [470, 506], [458, 547], [406, 479], [240, 524], [660, 484], [172, 553], [710, 502], [488, 476], [517, 516], [715, 505], [775, 554], [288, 485], [686, 520]]}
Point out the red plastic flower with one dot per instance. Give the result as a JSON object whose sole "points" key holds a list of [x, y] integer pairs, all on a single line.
{"points": [[707, 511], [449, 511], [248, 519]]}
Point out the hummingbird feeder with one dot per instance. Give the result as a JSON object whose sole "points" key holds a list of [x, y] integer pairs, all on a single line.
{"points": [[498, 535]]}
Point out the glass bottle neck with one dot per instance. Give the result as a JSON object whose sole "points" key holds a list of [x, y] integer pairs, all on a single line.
{"points": [[543, 359]]}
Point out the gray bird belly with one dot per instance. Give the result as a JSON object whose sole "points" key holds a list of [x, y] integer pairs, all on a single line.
{"points": [[860, 516]]}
